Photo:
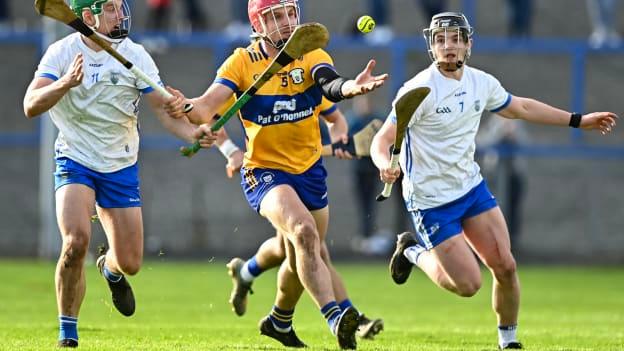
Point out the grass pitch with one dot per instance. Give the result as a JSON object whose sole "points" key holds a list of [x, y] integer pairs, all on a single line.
{"points": [[183, 306]]}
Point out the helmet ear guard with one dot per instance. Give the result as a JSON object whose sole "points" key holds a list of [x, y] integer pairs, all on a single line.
{"points": [[446, 21]]}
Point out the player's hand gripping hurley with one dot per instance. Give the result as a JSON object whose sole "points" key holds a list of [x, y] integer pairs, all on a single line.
{"points": [[405, 108], [58, 10], [306, 37]]}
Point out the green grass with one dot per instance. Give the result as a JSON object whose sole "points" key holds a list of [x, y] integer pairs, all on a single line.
{"points": [[183, 306]]}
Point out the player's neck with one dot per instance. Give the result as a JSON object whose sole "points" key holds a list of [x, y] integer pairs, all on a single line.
{"points": [[269, 49], [91, 44], [457, 74]]}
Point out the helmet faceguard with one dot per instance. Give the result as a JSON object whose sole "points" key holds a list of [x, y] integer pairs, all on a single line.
{"points": [[274, 14], [112, 17], [444, 27]]}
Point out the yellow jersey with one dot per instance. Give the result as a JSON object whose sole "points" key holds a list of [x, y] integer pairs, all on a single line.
{"points": [[281, 120]]}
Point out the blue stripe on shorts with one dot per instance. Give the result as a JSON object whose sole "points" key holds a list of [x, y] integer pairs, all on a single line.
{"points": [[435, 225], [119, 189], [309, 185]]}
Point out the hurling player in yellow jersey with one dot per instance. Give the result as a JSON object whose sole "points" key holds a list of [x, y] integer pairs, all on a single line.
{"points": [[271, 252], [283, 175]]}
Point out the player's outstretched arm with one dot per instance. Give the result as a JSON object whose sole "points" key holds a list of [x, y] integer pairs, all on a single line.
{"points": [[380, 152], [364, 82], [538, 112], [180, 127], [205, 106], [43, 93]]}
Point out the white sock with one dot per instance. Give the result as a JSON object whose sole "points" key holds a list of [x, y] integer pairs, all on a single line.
{"points": [[413, 252], [245, 274], [506, 334]]}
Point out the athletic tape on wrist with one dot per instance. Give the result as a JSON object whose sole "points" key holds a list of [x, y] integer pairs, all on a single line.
{"points": [[227, 148]]}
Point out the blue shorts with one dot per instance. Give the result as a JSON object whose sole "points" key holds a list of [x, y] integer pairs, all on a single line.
{"points": [[309, 185], [434, 225], [118, 189]]}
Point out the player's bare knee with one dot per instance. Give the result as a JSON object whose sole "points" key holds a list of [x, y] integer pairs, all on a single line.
{"points": [[305, 237], [505, 270], [75, 247], [468, 288], [129, 266]]}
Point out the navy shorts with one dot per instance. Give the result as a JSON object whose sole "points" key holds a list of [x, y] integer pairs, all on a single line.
{"points": [[434, 225], [309, 185], [118, 189]]}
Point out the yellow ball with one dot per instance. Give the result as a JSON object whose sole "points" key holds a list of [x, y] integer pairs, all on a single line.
{"points": [[365, 24]]}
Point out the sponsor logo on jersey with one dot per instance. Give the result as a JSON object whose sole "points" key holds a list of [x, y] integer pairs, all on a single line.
{"points": [[285, 117], [290, 105], [460, 94], [443, 109], [296, 75], [95, 65], [477, 105]]}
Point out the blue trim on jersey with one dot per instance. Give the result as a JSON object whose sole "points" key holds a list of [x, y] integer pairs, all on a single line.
{"points": [[505, 104], [261, 109], [315, 67], [119, 189], [330, 110], [146, 90], [408, 153], [48, 75], [435, 225], [393, 119], [310, 186], [228, 83]]}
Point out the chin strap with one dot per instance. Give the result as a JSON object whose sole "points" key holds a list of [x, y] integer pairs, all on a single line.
{"points": [[112, 41], [453, 67]]}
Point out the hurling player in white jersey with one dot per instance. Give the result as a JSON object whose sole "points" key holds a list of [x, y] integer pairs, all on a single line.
{"points": [[451, 207], [93, 100]]}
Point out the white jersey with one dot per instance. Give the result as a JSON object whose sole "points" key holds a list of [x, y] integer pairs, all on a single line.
{"points": [[97, 120], [437, 155]]}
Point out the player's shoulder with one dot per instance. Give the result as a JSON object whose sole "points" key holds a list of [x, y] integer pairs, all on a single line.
{"points": [[65, 43], [423, 78], [317, 56], [252, 53], [64, 49], [133, 49], [477, 73]]}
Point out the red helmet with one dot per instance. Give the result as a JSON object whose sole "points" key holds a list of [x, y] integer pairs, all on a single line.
{"points": [[257, 8]]}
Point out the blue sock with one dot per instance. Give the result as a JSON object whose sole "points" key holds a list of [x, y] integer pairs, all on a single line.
{"points": [[281, 319], [110, 276], [331, 312], [345, 304], [68, 328], [253, 268]]}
